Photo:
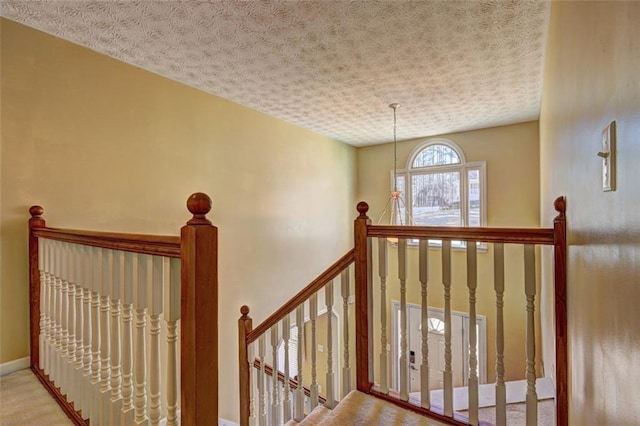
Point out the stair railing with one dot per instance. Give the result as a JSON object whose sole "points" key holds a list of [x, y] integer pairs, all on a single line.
{"points": [[98, 303], [262, 405], [259, 405], [469, 240]]}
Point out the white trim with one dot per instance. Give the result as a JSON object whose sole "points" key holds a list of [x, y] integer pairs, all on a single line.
{"points": [[15, 365]]}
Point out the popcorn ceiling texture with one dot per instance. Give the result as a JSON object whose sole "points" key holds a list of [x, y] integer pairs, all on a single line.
{"points": [[329, 66]]}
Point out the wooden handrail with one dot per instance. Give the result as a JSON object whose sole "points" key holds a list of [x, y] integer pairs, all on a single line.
{"points": [[158, 245], [293, 383], [542, 236], [315, 285]]}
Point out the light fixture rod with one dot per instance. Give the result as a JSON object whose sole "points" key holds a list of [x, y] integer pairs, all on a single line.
{"points": [[395, 106]]}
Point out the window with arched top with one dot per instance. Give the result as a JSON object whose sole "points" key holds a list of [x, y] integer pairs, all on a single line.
{"points": [[436, 154], [440, 188]]}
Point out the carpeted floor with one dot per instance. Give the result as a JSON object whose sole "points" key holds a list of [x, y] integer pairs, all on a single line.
{"points": [[517, 414], [24, 402]]}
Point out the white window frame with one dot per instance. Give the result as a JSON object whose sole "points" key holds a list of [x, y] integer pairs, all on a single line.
{"points": [[463, 168]]}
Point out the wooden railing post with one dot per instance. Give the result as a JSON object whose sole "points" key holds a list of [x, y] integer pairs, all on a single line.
{"points": [[199, 316], [245, 325], [362, 252], [36, 221], [560, 279]]}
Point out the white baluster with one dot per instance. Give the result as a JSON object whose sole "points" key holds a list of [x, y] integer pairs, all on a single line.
{"points": [[423, 255], [171, 316], [251, 355], [53, 310], [501, 392], [262, 382], [79, 275], [156, 292], [447, 374], [472, 284], [64, 318], [105, 339], [43, 298], [57, 371], [299, 415], [140, 356], [313, 316], [44, 361], [404, 361], [346, 368], [328, 297], [384, 355], [95, 331], [78, 263], [115, 289], [53, 314], [87, 332], [71, 324], [130, 283], [275, 394], [286, 401], [530, 292]]}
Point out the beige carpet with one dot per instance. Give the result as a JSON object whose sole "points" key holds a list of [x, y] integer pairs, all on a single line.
{"points": [[517, 414], [24, 402], [358, 409]]}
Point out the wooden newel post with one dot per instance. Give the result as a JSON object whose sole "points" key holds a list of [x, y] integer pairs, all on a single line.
{"points": [[36, 221], [245, 325], [364, 350], [560, 279], [199, 316]]}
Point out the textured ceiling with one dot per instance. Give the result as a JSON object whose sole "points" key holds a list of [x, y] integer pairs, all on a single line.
{"points": [[329, 66]]}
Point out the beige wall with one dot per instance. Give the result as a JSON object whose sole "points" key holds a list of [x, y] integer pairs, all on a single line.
{"points": [[104, 145], [511, 155], [592, 76]]}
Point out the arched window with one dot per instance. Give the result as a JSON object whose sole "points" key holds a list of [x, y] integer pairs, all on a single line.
{"points": [[440, 188]]}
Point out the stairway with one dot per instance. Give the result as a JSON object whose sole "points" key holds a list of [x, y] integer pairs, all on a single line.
{"points": [[361, 409]]}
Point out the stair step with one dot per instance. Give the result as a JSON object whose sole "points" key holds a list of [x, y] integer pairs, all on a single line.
{"points": [[316, 417], [359, 409]]}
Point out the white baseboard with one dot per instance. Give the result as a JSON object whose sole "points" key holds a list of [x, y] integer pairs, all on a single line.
{"points": [[15, 365]]}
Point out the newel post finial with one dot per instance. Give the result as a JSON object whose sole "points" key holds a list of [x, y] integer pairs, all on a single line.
{"points": [[199, 204], [36, 212], [244, 310], [363, 208], [560, 204]]}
